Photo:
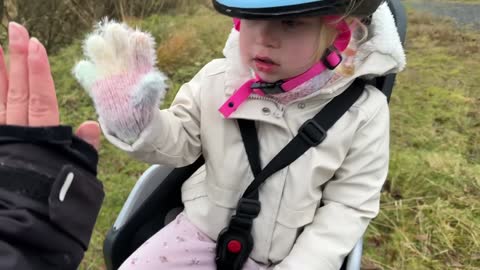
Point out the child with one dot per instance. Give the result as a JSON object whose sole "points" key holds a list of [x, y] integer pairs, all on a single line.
{"points": [[313, 211]]}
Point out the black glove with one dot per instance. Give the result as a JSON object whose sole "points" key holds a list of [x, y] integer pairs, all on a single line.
{"points": [[49, 197]]}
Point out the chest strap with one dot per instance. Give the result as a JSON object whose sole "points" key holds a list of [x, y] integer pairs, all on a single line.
{"points": [[235, 243]]}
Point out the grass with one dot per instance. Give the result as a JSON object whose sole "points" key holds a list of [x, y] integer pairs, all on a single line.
{"points": [[430, 216], [474, 2], [430, 212]]}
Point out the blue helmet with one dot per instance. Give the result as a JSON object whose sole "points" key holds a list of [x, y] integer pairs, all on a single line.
{"points": [[271, 9]]}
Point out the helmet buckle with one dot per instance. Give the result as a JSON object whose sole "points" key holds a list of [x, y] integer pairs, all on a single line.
{"points": [[332, 58]]}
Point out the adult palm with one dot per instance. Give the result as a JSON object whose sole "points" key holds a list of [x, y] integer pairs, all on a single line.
{"points": [[27, 91]]}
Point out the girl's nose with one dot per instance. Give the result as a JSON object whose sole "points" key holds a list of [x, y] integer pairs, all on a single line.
{"points": [[267, 34]]}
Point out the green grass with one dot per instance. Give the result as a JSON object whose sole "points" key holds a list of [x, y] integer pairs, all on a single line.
{"points": [[430, 217], [475, 2], [430, 212]]}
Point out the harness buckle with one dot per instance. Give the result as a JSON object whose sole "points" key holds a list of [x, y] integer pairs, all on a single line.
{"points": [[234, 246], [312, 133], [235, 243], [248, 207], [269, 88]]}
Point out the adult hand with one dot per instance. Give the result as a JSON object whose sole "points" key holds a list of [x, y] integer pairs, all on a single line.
{"points": [[27, 91]]}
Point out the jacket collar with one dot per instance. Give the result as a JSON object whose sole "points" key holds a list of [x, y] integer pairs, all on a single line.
{"points": [[381, 54]]}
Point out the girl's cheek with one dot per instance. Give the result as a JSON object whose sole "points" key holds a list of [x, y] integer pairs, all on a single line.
{"points": [[244, 52], [303, 50]]}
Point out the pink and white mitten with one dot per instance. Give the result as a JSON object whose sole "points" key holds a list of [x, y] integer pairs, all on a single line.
{"points": [[120, 77]]}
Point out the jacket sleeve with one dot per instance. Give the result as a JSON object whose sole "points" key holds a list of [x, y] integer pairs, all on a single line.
{"points": [[173, 136], [49, 197], [350, 200]]}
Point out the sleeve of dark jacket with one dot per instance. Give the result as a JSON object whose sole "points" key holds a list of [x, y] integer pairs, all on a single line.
{"points": [[49, 197]]}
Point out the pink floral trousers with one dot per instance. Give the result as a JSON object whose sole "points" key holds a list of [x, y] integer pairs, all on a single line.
{"points": [[178, 246]]}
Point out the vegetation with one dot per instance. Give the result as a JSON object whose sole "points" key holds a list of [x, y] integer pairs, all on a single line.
{"points": [[430, 212], [58, 22], [430, 217]]}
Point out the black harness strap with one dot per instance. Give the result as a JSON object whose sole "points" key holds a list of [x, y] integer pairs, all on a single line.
{"points": [[310, 134], [249, 133], [235, 242]]}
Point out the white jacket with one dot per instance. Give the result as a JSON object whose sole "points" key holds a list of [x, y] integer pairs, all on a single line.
{"points": [[346, 171]]}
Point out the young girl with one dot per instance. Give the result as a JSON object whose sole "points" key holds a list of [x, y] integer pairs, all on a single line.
{"points": [[313, 211]]}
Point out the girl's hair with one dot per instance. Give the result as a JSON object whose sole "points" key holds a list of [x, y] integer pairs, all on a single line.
{"points": [[327, 35]]}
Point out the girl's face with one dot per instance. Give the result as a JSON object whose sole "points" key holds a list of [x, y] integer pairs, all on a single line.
{"points": [[279, 49]]}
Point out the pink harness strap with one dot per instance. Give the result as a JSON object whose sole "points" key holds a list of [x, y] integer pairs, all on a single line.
{"points": [[237, 98], [309, 74]]}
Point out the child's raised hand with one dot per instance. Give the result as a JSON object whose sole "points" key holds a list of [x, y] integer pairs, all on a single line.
{"points": [[120, 76]]}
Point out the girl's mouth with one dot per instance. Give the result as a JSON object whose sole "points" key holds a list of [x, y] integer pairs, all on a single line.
{"points": [[264, 64]]}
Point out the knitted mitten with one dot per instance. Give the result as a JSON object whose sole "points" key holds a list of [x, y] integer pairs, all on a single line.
{"points": [[120, 77]]}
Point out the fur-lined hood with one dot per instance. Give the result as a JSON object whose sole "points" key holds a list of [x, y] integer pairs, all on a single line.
{"points": [[382, 53]]}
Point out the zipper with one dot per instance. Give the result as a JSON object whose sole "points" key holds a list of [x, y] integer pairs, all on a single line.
{"points": [[263, 98], [280, 108]]}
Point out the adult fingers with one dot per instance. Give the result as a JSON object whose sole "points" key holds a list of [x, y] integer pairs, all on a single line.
{"points": [[17, 97], [3, 88], [90, 132], [42, 105]]}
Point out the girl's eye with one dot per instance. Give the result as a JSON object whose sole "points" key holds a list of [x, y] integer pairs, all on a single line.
{"points": [[291, 23]]}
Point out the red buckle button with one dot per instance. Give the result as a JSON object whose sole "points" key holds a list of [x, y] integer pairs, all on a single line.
{"points": [[234, 246]]}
